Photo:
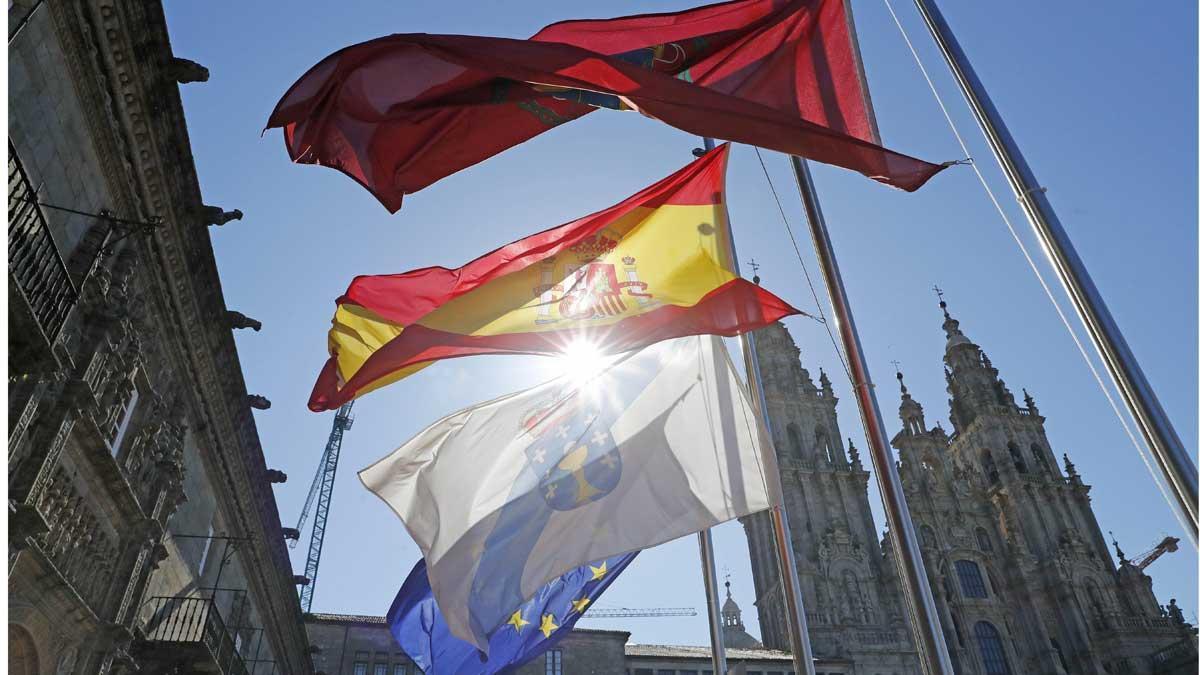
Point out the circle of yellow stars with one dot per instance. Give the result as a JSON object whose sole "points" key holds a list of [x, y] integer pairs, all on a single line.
{"points": [[519, 622]]}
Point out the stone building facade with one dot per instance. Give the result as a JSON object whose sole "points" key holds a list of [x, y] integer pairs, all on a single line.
{"points": [[143, 530], [363, 645], [1021, 573]]}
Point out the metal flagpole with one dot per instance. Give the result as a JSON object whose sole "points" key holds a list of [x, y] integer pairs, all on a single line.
{"points": [[708, 564], [797, 619], [931, 643], [1168, 451], [716, 635]]}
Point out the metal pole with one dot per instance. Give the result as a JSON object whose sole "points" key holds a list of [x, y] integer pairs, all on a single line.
{"points": [[716, 635], [789, 579], [931, 643], [708, 565], [1168, 451]]}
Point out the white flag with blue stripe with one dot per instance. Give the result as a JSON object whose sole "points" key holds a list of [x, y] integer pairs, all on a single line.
{"points": [[507, 495]]}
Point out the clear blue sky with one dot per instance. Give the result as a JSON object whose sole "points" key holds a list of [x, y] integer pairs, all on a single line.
{"points": [[1102, 100]]}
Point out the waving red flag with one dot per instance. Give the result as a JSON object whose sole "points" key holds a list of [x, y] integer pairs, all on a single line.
{"points": [[401, 112]]}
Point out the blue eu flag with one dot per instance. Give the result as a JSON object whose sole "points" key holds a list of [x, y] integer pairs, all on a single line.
{"points": [[533, 628]]}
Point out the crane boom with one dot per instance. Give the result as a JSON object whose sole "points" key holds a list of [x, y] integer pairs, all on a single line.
{"points": [[1167, 545], [323, 486], [625, 612]]}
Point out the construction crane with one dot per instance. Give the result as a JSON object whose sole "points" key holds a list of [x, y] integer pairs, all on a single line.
{"points": [[1167, 545], [321, 493], [625, 612]]}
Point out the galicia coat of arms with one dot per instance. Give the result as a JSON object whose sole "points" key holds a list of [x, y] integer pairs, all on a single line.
{"points": [[573, 454]]}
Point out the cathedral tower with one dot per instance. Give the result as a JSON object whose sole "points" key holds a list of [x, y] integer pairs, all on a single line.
{"points": [[1021, 573], [1020, 570], [847, 585]]}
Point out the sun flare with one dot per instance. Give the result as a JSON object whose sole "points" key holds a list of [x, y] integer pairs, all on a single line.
{"points": [[581, 360]]}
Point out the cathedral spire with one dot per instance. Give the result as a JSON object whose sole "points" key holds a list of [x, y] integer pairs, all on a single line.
{"points": [[1120, 553], [912, 415]]}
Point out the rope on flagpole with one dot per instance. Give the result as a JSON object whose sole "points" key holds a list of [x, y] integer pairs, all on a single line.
{"points": [[808, 278], [1037, 272]]}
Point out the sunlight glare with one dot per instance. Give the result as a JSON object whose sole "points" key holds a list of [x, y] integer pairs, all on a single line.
{"points": [[581, 361]]}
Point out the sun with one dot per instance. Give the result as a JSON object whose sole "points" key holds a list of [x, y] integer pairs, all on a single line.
{"points": [[581, 361]]}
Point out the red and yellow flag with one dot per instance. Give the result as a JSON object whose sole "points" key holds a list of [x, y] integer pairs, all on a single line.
{"points": [[653, 267]]}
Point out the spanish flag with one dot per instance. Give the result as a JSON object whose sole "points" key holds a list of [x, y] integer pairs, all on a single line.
{"points": [[653, 267]]}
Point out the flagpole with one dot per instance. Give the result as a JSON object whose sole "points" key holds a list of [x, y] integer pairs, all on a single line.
{"points": [[797, 619], [716, 635], [1168, 451], [931, 643]]}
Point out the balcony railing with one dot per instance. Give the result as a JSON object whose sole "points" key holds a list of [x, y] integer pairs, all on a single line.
{"points": [[190, 629], [36, 267]]}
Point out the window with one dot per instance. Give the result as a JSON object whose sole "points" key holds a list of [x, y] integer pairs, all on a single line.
{"points": [[399, 669], [982, 538], [991, 649], [1039, 457], [663, 671], [642, 671], [381, 669], [554, 662], [793, 433], [970, 579], [1018, 461], [123, 417], [360, 668], [207, 545], [989, 467], [689, 672]]}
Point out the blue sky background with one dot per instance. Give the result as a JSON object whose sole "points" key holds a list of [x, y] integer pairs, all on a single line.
{"points": [[1101, 98]]}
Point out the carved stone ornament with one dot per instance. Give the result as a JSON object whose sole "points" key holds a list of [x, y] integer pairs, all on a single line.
{"points": [[215, 215], [184, 71], [239, 320], [258, 402]]}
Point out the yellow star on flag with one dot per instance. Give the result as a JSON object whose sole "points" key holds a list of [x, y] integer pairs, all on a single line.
{"points": [[548, 626], [580, 604], [599, 572], [517, 621]]}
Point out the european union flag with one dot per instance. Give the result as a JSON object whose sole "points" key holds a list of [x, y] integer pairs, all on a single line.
{"points": [[533, 628]]}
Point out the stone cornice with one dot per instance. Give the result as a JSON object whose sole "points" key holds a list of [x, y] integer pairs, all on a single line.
{"points": [[119, 52]]}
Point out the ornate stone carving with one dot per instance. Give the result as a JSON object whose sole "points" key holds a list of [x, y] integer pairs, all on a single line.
{"points": [[239, 320], [215, 215], [184, 71], [258, 402]]}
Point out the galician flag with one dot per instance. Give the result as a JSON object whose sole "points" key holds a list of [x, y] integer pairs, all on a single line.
{"points": [[651, 268], [506, 496]]}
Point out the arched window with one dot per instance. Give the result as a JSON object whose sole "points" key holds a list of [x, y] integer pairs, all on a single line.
{"points": [[928, 538], [1039, 456], [825, 447], [991, 649], [793, 433], [1017, 459], [983, 540], [970, 579], [989, 467]]}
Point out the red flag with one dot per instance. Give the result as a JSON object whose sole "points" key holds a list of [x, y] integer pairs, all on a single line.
{"points": [[401, 112]]}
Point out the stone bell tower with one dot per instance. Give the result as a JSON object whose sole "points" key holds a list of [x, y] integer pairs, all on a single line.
{"points": [[849, 589], [1020, 570]]}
